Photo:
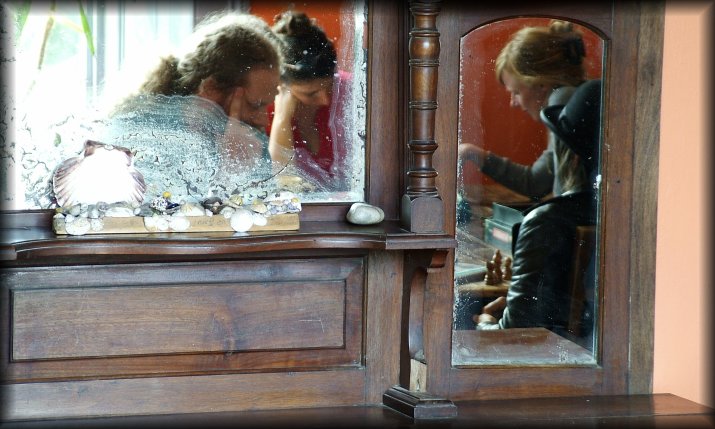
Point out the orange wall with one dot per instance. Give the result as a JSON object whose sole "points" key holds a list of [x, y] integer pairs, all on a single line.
{"points": [[326, 13], [683, 307]]}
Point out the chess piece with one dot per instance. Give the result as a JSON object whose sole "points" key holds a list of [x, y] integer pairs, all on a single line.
{"points": [[497, 262], [497, 258], [489, 278], [507, 268]]}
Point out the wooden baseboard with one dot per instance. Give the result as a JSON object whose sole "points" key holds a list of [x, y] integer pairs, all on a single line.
{"points": [[418, 405]]}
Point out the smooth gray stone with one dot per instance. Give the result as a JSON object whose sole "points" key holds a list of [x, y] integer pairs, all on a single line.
{"points": [[365, 214]]}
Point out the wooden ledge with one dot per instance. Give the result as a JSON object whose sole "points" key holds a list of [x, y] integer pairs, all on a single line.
{"points": [[418, 405]]}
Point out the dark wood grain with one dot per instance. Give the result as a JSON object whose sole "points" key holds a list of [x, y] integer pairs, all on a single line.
{"points": [[627, 266], [422, 208], [645, 196], [632, 411]]}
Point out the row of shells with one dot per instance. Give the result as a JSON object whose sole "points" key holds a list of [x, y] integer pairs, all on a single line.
{"points": [[162, 215]]}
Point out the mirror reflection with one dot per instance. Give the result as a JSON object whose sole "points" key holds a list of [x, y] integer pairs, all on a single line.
{"points": [[207, 103], [527, 203]]}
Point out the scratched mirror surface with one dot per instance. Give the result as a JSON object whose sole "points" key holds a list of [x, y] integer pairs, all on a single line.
{"points": [[527, 200], [71, 74]]}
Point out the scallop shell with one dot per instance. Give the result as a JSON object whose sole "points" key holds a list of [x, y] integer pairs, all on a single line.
{"points": [[101, 173]]}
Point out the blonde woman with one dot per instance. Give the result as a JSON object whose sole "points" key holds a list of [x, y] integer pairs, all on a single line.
{"points": [[540, 66]]}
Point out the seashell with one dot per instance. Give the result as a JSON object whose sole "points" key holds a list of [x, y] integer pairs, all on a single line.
{"points": [[101, 173], [213, 204], [259, 219], [150, 222], [159, 204], [259, 206], [191, 209], [235, 200], [144, 210], [227, 212], [241, 220], [162, 223], [75, 210], [119, 211], [365, 214], [179, 223], [79, 226]]}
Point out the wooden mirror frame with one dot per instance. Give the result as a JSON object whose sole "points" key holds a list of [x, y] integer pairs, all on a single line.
{"points": [[633, 33]]}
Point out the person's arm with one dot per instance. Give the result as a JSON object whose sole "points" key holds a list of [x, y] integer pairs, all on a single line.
{"points": [[280, 143], [534, 181]]}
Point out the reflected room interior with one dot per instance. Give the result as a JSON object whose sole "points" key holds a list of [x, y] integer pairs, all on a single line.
{"points": [[487, 211], [53, 122]]}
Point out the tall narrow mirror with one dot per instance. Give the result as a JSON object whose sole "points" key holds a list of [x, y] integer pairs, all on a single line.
{"points": [[70, 65], [526, 291]]}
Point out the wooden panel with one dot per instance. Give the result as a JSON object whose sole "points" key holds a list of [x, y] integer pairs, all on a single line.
{"points": [[175, 395], [157, 319], [61, 323]]}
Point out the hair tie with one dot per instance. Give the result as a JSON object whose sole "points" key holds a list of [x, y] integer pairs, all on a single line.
{"points": [[574, 50]]}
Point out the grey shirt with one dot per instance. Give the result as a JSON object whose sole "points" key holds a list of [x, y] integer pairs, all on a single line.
{"points": [[538, 179]]}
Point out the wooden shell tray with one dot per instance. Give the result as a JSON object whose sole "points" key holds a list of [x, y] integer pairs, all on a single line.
{"points": [[130, 225]]}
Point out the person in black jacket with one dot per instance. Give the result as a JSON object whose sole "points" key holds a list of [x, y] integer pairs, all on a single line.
{"points": [[539, 295]]}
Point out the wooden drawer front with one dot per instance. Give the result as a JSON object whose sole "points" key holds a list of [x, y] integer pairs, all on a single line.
{"points": [[87, 322], [181, 318]]}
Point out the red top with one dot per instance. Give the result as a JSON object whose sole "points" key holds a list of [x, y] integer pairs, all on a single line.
{"points": [[327, 164]]}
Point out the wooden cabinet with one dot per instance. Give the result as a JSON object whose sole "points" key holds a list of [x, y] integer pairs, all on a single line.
{"points": [[332, 314], [138, 324]]}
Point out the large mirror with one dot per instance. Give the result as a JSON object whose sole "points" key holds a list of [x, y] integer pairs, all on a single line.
{"points": [[69, 65], [525, 286]]}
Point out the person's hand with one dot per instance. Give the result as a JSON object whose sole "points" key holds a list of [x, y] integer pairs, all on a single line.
{"points": [[495, 308], [486, 319], [491, 313], [472, 152], [285, 105]]}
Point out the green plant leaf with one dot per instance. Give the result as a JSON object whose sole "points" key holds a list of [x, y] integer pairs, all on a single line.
{"points": [[21, 17], [86, 28]]}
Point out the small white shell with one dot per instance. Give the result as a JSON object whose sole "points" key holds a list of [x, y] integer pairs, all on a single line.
{"points": [[241, 220], [191, 209], [179, 223], [227, 212], [365, 214], [79, 226], [119, 211], [162, 223], [259, 219]]}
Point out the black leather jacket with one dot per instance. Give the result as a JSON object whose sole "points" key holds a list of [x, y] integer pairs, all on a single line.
{"points": [[542, 250]]}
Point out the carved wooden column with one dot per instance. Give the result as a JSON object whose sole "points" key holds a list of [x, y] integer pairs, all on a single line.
{"points": [[422, 208]]}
